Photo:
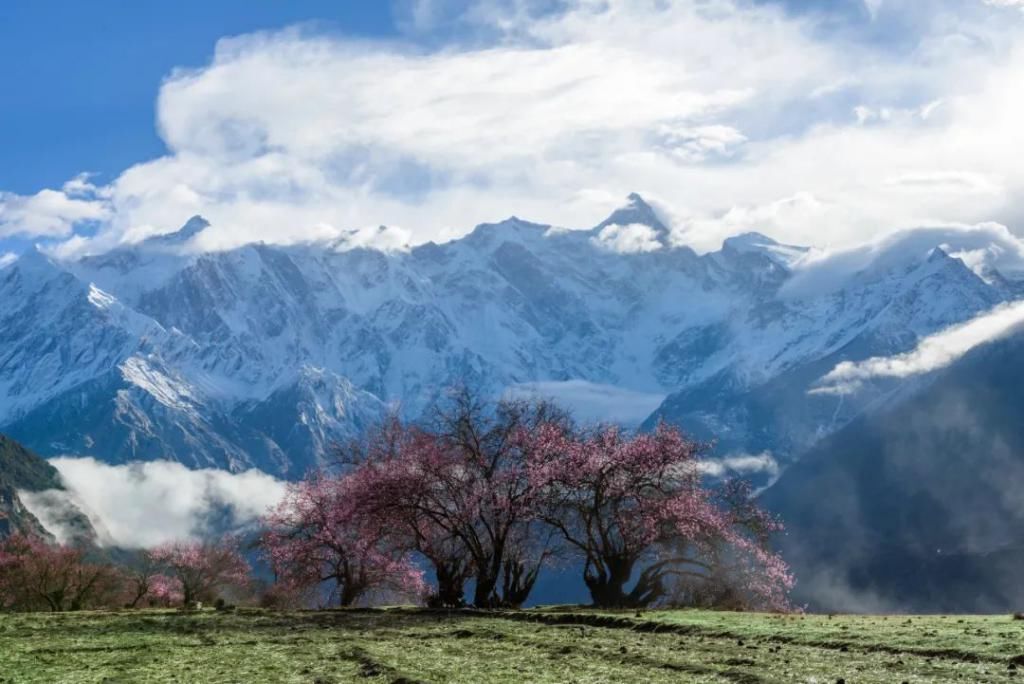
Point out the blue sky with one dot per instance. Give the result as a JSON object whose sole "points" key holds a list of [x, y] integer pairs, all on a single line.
{"points": [[80, 79], [80, 84], [432, 115]]}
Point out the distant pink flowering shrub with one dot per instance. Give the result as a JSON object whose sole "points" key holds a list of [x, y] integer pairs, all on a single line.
{"points": [[200, 569], [37, 575]]}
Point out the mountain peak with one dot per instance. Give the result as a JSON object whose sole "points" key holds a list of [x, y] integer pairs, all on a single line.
{"points": [[635, 211], [486, 233], [937, 254], [35, 261], [758, 243], [747, 241], [192, 227]]}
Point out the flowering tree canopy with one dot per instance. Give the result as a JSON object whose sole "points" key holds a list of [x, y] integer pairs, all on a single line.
{"points": [[387, 481], [638, 504], [323, 532], [35, 574], [145, 583], [202, 568], [461, 492]]}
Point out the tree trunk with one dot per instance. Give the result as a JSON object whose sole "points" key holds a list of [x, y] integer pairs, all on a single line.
{"points": [[349, 592], [450, 588], [139, 595], [484, 595], [607, 587], [55, 602], [518, 583]]}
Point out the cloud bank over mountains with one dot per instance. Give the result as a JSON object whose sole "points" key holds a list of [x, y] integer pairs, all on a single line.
{"points": [[140, 505], [734, 115], [932, 353]]}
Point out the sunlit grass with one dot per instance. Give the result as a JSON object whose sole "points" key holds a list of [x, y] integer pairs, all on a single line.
{"points": [[586, 646]]}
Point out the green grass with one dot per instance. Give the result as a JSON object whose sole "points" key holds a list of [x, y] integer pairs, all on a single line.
{"points": [[563, 645]]}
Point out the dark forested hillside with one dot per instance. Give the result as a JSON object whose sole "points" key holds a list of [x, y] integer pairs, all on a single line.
{"points": [[23, 469], [919, 505], [20, 469]]}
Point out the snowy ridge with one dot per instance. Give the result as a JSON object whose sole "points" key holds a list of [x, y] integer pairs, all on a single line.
{"points": [[265, 355]]}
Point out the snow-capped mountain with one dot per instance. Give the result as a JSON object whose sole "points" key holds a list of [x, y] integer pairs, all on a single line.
{"points": [[265, 355]]}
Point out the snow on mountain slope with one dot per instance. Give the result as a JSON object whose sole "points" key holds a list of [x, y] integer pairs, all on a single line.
{"points": [[264, 355], [761, 398], [57, 332]]}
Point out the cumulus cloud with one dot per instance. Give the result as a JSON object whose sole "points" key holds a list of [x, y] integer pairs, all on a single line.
{"points": [[593, 402], [932, 353], [726, 110], [52, 213], [775, 218], [741, 464], [143, 504], [628, 239]]}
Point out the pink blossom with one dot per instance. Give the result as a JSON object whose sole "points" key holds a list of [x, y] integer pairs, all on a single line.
{"points": [[637, 504], [202, 568], [323, 533]]}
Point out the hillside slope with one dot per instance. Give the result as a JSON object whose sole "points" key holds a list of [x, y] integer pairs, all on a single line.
{"points": [[24, 474], [917, 505], [21, 469]]}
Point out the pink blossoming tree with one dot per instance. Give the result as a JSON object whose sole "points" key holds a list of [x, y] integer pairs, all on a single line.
{"points": [[323, 533], [386, 480], [145, 584], [202, 569], [35, 574], [490, 494], [636, 507], [462, 494]]}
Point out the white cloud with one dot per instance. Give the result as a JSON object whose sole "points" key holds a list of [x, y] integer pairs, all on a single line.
{"points": [[51, 213], [592, 402], [958, 182], [932, 353], [144, 504], [696, 144], [983, 246], [724, 109], [774, 218], [629, 239], [7, 258], [885, 115], [741, 464]]}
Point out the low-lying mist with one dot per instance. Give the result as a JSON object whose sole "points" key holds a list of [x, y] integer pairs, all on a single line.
{"points": [[144, 504]]}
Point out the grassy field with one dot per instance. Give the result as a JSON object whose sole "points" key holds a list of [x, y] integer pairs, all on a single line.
{"points": [[533, 646]]}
